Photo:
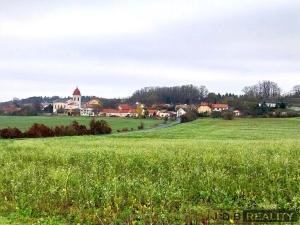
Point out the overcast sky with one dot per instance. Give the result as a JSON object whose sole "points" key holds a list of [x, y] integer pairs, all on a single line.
{"points": [[110, 48]]}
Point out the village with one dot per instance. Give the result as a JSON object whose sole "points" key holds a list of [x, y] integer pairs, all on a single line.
{"points": [[75, 107], [160, 103]]}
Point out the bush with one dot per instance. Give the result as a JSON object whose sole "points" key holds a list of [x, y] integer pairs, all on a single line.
{"points": [[39, 130], [216, 114], [166, 119], [227, 115], [79, 129], [204, 114], [59, 131], [125, 129], [99, 127], [9, 133], [189, 116], [141, 126]]}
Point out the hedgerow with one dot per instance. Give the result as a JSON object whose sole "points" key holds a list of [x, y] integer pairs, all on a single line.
{"points": [[41, 130]]}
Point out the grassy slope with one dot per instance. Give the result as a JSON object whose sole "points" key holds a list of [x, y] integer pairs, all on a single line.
{"points": [[243, 129], [168, 175], [24, 122]]}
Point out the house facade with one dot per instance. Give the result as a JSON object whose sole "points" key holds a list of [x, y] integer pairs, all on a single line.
{"points": [[204, 108], [152, 112], [119, 112], [219, 107], [166, 114], [180, 112], [91, 108]]}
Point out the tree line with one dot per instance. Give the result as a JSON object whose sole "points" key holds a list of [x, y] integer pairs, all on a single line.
{"points": [[185, 94], [188, 94]]}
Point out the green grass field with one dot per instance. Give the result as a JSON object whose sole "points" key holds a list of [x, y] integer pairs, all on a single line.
{"points": [[24, 122], [165, 176]]}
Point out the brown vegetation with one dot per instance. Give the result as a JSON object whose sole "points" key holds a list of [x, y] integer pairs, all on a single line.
{"points": [[41, 130]]}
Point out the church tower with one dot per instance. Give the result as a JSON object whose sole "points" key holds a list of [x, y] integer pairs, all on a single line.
{"points": [[77, 97]]}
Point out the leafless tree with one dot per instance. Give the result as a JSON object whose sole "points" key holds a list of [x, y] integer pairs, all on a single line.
{"points": [[296, 90], [264, 90]]}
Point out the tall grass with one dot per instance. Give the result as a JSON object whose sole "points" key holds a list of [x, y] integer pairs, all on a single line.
{"points": [[110, 180]]}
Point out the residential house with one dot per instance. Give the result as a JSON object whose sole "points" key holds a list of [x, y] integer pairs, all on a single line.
{"points": [[237, 113], [153, 112], [9, 108], [180, 112], [91, 108], [219, 107], [166, 113], [125, 107], [269, 104], [204, 108], [119, 112]]}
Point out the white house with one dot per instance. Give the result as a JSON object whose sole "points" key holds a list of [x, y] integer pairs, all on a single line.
{"points": [[58, 105], [237, 112], [268, 104], [166, 113], [180, 112]]}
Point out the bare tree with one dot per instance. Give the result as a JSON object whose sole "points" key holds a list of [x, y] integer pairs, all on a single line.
{"points": [[264, 90], [296, 90], [203, 92]]}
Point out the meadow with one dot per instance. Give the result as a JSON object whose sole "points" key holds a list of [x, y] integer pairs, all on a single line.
{"points": [[24, 122], [167, 176]]}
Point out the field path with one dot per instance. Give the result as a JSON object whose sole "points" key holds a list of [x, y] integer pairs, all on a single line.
{"points": [[171, 124], [177, 121]]}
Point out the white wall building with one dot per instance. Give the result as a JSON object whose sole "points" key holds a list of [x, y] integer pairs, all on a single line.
{"points": [[180, 112], [70, 105]]}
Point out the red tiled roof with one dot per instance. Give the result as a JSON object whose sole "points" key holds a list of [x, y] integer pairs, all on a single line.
{"points": [[118, 111], [125, 106], [153, 110], [219, 105], [163, 111], [9, 108], [204, 104], [76, 92]]}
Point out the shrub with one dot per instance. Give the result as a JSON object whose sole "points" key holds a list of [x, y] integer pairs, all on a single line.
{"points": [[10, 133], [141, 126], [166, 119], [79, 129], [99, 127], [59, 131], [187, 117], [125, 129], [228, 115], [39, 130], [204, 114], [70, 130], [216, 114]]}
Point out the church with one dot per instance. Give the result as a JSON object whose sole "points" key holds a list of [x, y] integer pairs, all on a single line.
{"points": [[70, 107], [74, 106]]}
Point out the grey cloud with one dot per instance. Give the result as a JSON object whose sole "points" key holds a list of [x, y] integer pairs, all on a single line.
{"points": [[260, 41]]}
